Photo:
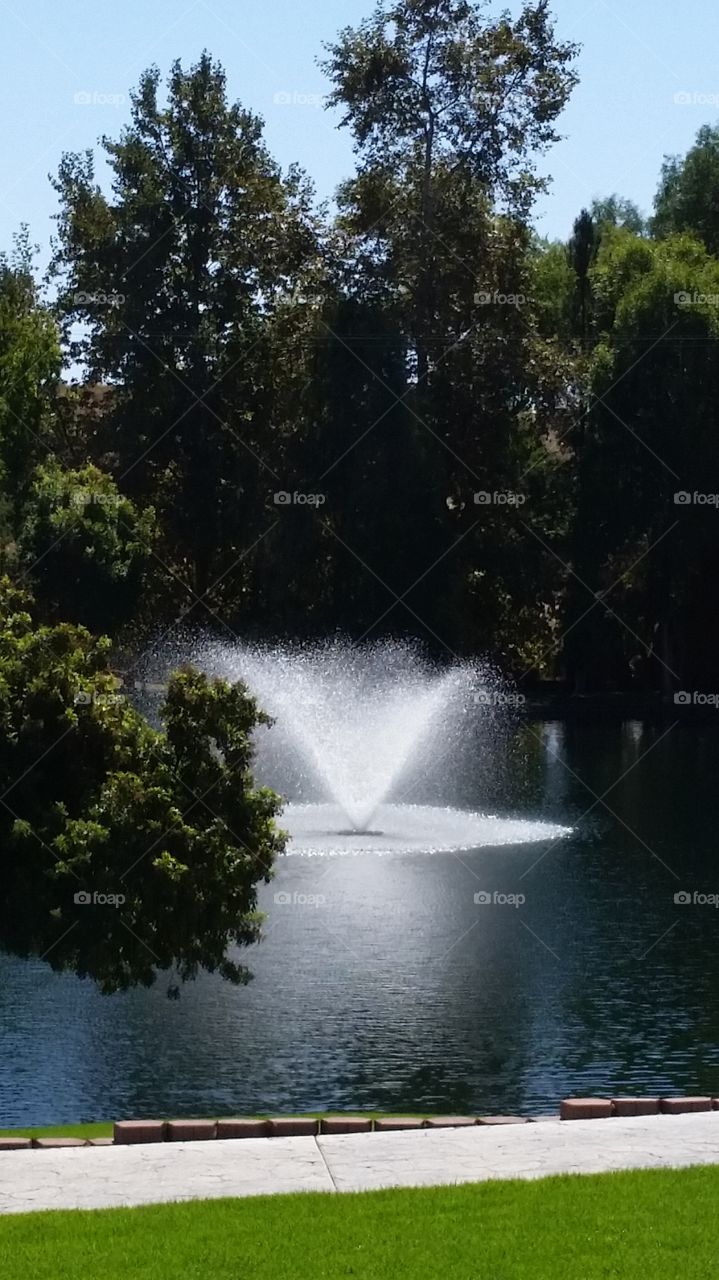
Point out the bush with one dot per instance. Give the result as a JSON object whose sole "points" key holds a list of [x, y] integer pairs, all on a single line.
{"points": [[124, 849]]}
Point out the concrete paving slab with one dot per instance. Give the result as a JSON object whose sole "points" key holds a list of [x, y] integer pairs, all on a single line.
{"points": [[436, 1157], [110, 1177], [105, 1177]]}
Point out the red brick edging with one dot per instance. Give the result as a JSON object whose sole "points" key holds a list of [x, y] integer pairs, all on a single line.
{"points": [[127, 1132], [604, 1108]]}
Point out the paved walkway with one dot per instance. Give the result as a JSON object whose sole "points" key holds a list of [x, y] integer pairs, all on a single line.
{"points": [[106, 1177]]}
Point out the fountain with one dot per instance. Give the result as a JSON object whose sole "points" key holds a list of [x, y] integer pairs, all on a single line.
{"points": [[356, 731]]}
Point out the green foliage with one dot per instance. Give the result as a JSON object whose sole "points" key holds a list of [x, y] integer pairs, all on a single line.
{"points": [[87, 548], [581, 251], [29, 371], [448, 109], [688, 195], [650, 435], [424, 83], [254, 350], [615, 211], [418, 349], [178, 279], [553, 285], [97, 802]]}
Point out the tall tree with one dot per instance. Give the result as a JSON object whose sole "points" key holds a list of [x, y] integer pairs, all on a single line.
{"points": [[30, 363], [449, 108], [443, 103], [176, 277], [582, 248], [646, 547], [688, 194]]}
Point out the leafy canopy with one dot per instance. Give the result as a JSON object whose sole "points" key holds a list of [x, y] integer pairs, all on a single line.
{"points": [[97, 805]]}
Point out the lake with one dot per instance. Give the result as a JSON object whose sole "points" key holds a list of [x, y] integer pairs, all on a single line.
{"points": [[381, 983]]}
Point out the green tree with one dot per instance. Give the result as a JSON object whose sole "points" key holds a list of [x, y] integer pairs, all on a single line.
{"points": [[581, 251], [449, 109], [178, 277], [446, 107], [615, 211], [644, 562], [377, 479], [98, 805], [553, 285], [29, 371], [86, 547], [688, 194]]}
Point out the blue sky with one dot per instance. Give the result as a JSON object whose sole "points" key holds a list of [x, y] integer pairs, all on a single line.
{"points": [[636, 64]]}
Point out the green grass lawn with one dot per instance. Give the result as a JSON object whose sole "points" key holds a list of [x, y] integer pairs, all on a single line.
{"points": [[101, 1130], [662, 1225]]}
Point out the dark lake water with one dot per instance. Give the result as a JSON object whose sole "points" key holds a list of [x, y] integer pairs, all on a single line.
{"points": [[398, 991]]}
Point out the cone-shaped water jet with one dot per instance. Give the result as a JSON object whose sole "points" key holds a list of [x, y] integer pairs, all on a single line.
{"points": [[358, 729]]}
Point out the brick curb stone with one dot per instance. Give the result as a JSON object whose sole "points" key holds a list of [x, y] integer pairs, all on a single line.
{"points": [[679, 1106], [139, 1131], [46, 1144], [450, 1122], [287, 1127], [392, 1123], [239, 1128], [346, 1124], [502, 1120], [585, 1109], [601, 1108], [635, 1106], [148, 1131], [191, 1130]]}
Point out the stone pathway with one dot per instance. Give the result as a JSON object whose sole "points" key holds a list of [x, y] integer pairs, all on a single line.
{"points": [[106, 1177]]}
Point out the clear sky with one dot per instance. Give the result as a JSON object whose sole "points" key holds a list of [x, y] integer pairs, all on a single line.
{"points": [[638, 61]]}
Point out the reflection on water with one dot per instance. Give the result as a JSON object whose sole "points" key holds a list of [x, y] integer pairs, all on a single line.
{"points": [[416, 980], [320, 830]]}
